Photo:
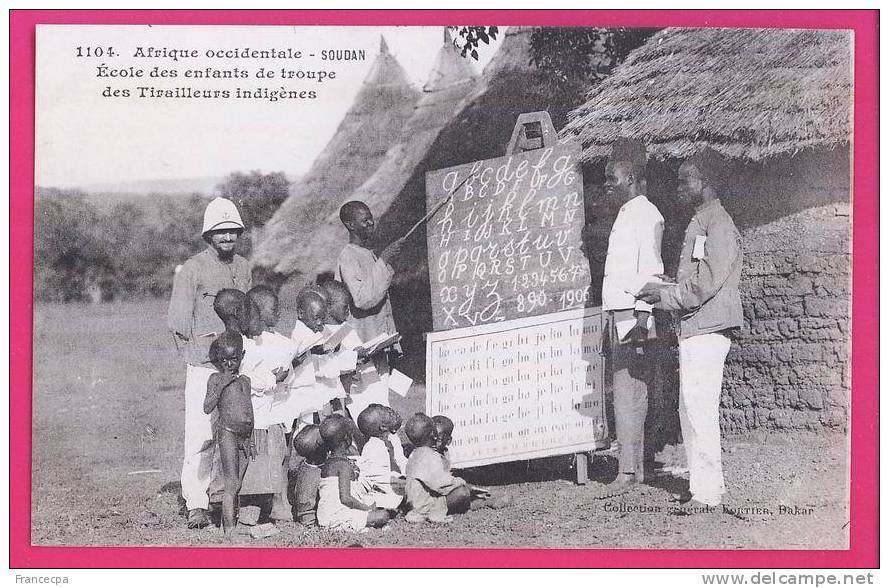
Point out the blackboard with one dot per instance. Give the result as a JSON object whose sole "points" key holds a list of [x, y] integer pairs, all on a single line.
{"points": [[522, 389], [508, 243]]}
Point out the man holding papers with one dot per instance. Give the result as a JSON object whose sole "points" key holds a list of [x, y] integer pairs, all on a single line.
{"points": [[633, 259], [708, 302]]}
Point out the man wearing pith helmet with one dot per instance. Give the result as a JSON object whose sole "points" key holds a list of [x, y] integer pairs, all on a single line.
{"points": [[194, 325]]}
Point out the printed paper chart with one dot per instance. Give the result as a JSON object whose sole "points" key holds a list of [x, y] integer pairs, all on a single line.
{"points": [[521, 389]]}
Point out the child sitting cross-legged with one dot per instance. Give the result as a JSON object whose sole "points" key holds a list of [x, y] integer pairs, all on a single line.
{"points": [[228, 393], [393, 425], [432, 492], [309, 445], [444, 431], [481, 497], [377, 462], [343, 500]]}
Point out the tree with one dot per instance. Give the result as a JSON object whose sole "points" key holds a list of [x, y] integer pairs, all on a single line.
{"points": [[67, 251], [467, 39], [257, 195], [584, 53]]}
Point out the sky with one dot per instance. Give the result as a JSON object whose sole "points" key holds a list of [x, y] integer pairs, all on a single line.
{"points": [[84, 138]]}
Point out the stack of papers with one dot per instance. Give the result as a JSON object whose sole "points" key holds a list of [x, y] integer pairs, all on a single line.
{"points": [[399, 383]]}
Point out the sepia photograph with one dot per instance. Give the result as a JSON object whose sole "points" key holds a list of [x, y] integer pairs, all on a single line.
{"points": [[442, 286]]}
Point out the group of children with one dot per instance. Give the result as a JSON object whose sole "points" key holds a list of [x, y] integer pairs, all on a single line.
{"points": [[274, 393]]}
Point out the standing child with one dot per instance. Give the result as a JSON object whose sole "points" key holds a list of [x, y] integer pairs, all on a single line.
{"points": [[377, 462], [337, 366], [338, 505], [309, 445], [432, 492], [299, 397], [267, 361], [228, 304], [228, 393]]}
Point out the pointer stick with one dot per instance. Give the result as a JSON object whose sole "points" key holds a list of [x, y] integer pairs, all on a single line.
{"points": [[436, 209]]}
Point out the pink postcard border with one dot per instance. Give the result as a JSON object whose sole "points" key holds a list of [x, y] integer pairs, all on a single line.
{"points": [[864, 489]]}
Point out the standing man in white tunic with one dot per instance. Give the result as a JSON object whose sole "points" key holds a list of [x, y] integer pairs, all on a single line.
{"points": [[633, 259], [368, 277], [194, 325]]}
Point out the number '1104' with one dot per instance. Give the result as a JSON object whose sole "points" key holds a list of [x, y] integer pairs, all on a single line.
{"points": [[95, 52]]}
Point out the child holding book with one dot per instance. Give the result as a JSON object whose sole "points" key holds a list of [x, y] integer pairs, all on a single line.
{"points": [[267, 360]]}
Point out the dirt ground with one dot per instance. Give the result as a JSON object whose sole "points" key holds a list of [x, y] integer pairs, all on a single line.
{"points": [[108, 411]]}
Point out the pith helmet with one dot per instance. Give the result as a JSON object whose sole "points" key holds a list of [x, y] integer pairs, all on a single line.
{"points": [[221, 214]]}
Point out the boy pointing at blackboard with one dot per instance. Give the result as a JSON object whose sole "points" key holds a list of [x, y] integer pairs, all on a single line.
{"points": [[633, 259]]}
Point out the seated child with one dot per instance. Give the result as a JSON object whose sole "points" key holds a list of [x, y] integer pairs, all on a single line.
{"points": [[432, 492], [444, 430], [393, 424], [377, 462], [342, 502], [229, 394], [480, 497], [309, 445]]}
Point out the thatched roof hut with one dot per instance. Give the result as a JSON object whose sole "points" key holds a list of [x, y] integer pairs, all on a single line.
{"points": [[746, 93], [373, 124], [449, 82]]}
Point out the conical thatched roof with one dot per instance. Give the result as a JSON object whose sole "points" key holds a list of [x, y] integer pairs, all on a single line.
{"points": [[448, 85], [746, 93], [373, 123]]}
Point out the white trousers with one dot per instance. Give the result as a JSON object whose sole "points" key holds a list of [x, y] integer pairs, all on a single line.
{"points": [[199, 448], [701, 362]]}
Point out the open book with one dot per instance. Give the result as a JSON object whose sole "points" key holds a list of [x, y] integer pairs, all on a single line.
{"points": [[378, 343], [334, 335], [329, 339]]}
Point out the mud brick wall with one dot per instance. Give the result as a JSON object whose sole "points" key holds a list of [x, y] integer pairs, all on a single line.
{"points": [[789, 367]]}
